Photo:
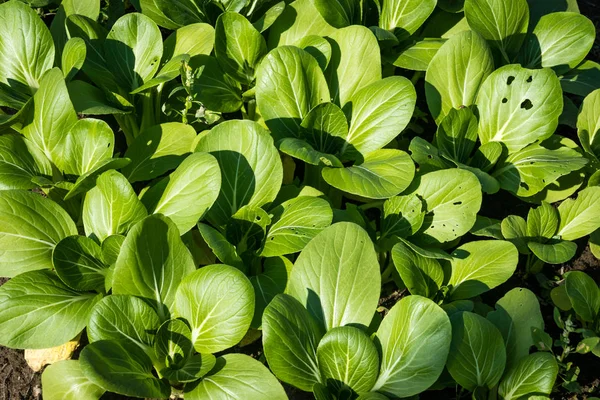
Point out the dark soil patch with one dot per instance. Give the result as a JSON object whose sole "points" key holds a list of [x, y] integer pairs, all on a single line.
{"points": [[17, 380]]}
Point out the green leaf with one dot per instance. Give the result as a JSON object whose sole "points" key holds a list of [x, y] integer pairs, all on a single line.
{"points": [[298, 148], [268, 284], [516, 315], [295, 223], [534, 375], [26, 47], [112, 207], [514, 229], [588, 123], [152, 262], [415, 339], [50, 116], [489, 184], [426, 156], [78, 263], [430, 252], [355, 63], [290, 339], [417, 56], [126, 319], [339, 13], [299, 19], [329, 275], [542, 222], [486, 156], [73, 57], [502, 22], [89, 100], [348, 357], [372, 396], [588, 344], [561, 39], [405, 17], [378, 113], [153, 9], [251, 170], [384, 173], [195, 367], [403, 216], [173, 344], [95, 65], [458, 306], [457, 134], [583, 79], [210, 288], [121, 367], [477, 356], [238, 377], [30, 228], [518, 106], [169, 71], [325, 127], [88, 145], [269, 17], [553, 252], [455, 75], [487, 227], [187, 194], [529, 170], [87, 181], [318, 47], [289, 83], [594, 243], [539, 8], [452, 199], [238, 46], [422, 276], [133, 50], [223, 250], [579, 217], [193, 40], [480, 266], [584, 294], [64, 380], [560, 299], [247, 229], [20, 162], [213, 88], [34, 304], [157, 150]]}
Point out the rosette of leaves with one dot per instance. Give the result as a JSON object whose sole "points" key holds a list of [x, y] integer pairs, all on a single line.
{"points": [[454, 147], [489, 354], [174, 332], [397, 31], [549, 233], [509, 101], [315, 335], [469, 271], [174, 15], [579, 296], [130, 66], [248, 228], [158, 324], [326, 103]]}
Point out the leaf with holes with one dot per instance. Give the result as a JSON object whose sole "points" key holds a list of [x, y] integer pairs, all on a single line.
{"points": [[518, 106]]}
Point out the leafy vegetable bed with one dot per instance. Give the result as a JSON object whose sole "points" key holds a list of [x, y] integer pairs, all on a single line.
{"points": [[330, 199]]}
